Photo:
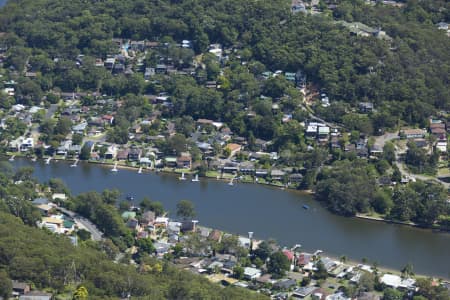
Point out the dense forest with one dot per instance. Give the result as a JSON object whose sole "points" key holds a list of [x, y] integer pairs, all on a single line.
{"points": [[50, 261]]}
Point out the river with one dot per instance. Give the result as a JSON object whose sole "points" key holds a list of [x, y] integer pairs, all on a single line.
{"points": [[269, 213]]}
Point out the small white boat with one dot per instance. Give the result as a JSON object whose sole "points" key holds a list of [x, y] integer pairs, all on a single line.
{"points": [[114, 170], [34, 159], [140, 170], [231, 181], [195, 179], [182, 177], [12, 158]]}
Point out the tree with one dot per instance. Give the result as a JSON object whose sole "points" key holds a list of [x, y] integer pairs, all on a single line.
{"points": [[278, 264], [321, 272], [84, 235], [185, 209], [238, 272], [145, 245], [389, 152], [5, 285], [77, 139], [263, 251], [407, 271], [392, 294], [366, 283], [85, 153]]}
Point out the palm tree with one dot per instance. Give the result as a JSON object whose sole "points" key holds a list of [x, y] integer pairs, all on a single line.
{"points": [[407, 271], [81, 293], [343, 259]]}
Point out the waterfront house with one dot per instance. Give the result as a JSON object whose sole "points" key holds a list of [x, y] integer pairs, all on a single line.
{"points": [[134, 154], [395, 281], [122, 155], [148, 218], [261, 173], [184, 160], [215, 235], [161, 222], [170, 162], [277, 175]]}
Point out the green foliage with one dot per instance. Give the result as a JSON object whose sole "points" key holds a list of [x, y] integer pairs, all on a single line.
{"points": [[278, 264], [5, 285], [185, 209], [347, 188], [392, 294], [53, 262], [321, 271]]}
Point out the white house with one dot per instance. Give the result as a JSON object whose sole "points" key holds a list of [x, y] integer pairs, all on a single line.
{"points": [[251, 273]]}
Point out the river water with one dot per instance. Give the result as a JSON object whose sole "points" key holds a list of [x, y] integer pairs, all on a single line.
{"points": [[269, 213]]}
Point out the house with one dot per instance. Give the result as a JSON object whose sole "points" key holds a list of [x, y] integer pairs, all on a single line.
{"points": [[234, 148], [303, 292], [109, 119], [161, 69], [134, 154], [337, 296], [148, 217], [39, 201], [365, 107], [161, 222], [215, 235], [261, 172], [149, 73], [36, 295], [20, 288], [122, 155], [285, 284], [126, 215], [277, 175], [184, 160], [289, 254], [133, 224], [80, 128], [442, 146], [395, 281], [252, 273], [170, 162], [323, 132], [304, 259], [111, 152], [295, 178], [413, 133], [59, 196]]}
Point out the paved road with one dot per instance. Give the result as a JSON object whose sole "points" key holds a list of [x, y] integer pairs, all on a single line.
{"points": [[381, 140], [96, 234], [51, 111]]}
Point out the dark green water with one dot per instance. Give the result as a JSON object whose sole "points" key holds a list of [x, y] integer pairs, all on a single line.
{"points": [[269, 213]]}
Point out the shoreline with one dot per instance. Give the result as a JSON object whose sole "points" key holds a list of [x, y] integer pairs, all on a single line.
{"points": [[189, 172]]}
